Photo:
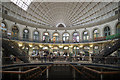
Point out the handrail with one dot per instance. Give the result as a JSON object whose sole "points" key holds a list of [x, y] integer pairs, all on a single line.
{"points": [[46, 68], [104, 48], [90, 75], [78, 71], [19, 52], [108, 50], [13, 72], [68, 56], [92, 70], [20, 72], [114, 60], [82, 72], [31, 70], [113, 72], [38, 41], [101, 72], [38, 73], [18, 47], [33, 75]]}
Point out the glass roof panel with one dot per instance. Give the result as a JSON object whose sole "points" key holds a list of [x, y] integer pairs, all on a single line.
{"points": [[22, 3]]}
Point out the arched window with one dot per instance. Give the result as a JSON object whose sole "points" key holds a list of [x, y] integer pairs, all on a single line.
{"points": [[45, 48], [96, 49], [118, 28], [86, 50], [60, 25], [35, 50], [106, 31], [26, 48], [55, 37], [66, 51], [25, 34], [36, 36], [66, 37], [76, 50], [55, 50], [15, 32], [95, 33], [75, 37], [46, 37], [85, 36], [65, 47], [4, 29]]}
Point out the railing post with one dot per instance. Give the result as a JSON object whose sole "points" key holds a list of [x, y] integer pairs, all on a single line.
{"points": [[118, 51], [47, 73], [101, 75], [19, 75], [73, 74]]}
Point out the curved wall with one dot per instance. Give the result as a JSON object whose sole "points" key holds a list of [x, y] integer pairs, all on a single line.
{"points": [[101, 27]]}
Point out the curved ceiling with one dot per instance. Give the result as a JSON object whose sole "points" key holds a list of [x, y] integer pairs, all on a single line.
{"points": [[71, 14]]}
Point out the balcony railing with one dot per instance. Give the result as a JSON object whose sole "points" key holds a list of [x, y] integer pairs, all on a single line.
{"points": [[111, 37], [114, 60]]}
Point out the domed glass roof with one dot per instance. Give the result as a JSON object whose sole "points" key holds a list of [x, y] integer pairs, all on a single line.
{"points": [[72, 14]]}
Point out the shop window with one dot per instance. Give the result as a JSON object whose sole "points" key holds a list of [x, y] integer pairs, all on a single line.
{"points": [[66, 37], [96, 50], [75, 37], [45, 48], [76, 50], [86, 50], [15, 32], [25, 49], [106, 31], [4, 29], [66, 51], [36, 36], [85, 36], [25, 34], [55, 37], [95, 33], [118, 28], [46, 37], [35, 50], [56, 51]]}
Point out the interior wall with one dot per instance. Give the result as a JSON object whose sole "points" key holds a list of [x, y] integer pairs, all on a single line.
{"points": [[101, 27]]}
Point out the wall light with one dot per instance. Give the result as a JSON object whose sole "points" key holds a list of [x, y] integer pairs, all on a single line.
{"points": [[91, 51], [50, 46], [81, 46], [70, 46], [60, 46], [91, 45], [30, 45], [40, 46], [19, 44], [66, 47]]}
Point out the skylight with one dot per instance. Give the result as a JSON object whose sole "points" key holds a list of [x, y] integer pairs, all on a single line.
{"points": [[22, 3]]}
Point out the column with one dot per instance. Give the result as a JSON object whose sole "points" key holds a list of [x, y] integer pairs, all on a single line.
{"points": [[74, 74], [71, 35], [90, 53], [118, 53], [101, 75], [19, 75], [47, 73], [30, 52]]}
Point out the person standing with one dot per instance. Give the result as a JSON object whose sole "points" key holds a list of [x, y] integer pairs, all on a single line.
{"points": [[45, 56]]}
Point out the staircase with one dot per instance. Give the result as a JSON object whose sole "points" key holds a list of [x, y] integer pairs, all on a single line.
{"points": [[109, 49], [12, 48]]}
